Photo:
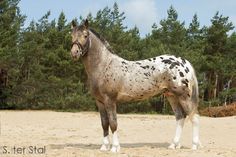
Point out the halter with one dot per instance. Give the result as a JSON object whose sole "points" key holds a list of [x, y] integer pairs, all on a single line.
{"points": [[85, 48]]}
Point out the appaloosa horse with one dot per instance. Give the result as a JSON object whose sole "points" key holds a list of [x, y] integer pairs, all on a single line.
{"points": [[113, 79]]}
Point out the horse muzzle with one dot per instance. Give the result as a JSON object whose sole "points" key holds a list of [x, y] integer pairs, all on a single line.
{"points": [[75, 52], [75, 55]]}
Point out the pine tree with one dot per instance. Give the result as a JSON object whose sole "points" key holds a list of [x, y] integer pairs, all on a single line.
{"points": [[215, 49], [194, 34], [61, 21], [172, 32], [117, 18], [11, 21], [195, 43]]}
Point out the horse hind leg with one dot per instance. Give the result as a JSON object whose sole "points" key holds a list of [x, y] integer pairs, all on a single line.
{"points": [[195, 123], [105, 125], [180, 118], [191, 109]]}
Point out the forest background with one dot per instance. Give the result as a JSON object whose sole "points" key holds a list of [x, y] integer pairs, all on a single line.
{"points": [[37, 72]]}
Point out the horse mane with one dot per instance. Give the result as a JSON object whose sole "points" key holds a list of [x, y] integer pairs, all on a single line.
{"points": [[103, 40]]}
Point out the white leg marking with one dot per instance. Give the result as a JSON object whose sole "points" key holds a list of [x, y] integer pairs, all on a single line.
{"points": [[195, 123], [106, 144], [179, 127], [115, 143]]}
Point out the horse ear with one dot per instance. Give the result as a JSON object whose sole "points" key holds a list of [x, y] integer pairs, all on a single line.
{"points": [[73, 24], [86, 24]]}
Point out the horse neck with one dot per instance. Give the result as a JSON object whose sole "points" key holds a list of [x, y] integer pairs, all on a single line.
{"points": [[97, 58]]}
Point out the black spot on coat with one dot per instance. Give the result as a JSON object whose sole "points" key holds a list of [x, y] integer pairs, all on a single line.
{"points": [[147, 74], [123, 62], [145, 67], [183, 61], [173, 65], [186, 70], [184, 82], [181, 74], [167, 61]]}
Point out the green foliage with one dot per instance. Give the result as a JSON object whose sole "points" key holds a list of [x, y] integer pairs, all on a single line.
{"points": [[172, 33], [43, 76], [215, 64]]}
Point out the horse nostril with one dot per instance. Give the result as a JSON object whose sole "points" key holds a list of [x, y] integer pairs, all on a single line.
{"points": [[77, 51]]}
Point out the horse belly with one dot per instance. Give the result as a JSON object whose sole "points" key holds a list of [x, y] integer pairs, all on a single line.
{"points": [[137, 93]]}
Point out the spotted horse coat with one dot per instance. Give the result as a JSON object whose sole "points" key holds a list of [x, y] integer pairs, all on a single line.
{"points": [[113, 79]]}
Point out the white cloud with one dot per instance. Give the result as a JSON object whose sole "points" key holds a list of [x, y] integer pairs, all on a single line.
{"points": [[142, 13]]}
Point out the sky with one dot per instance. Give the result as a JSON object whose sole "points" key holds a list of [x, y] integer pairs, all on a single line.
{"points": [[140, 13]]}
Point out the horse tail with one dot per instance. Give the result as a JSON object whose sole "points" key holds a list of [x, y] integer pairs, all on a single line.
{"points": [[195, 92], [194, 96]]}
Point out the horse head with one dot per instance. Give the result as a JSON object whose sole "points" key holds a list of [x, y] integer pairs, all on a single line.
{"points": [[80, 39]]}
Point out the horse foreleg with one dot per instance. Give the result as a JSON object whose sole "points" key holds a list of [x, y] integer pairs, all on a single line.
{"points": [[105, 125], [111, 111]]}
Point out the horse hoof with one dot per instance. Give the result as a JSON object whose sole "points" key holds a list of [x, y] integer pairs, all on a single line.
{"points": [[171, 146], [194, 147], [174, 146], [105, 147], [115, 149], [197, 146], [178, 146]]}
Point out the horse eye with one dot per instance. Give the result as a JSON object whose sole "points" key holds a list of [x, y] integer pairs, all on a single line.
{"points": [[85, 36]]}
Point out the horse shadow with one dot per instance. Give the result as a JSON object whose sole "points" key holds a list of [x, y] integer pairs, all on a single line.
{"points": [[97, 146]]}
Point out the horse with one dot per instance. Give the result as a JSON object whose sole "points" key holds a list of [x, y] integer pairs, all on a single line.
{"points": [[113, 79]]}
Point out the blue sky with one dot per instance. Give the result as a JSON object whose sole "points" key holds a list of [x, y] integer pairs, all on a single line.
{"points": [[142, 13]]}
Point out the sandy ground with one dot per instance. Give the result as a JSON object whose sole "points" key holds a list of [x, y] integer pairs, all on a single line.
{"points": [[65, 134]]}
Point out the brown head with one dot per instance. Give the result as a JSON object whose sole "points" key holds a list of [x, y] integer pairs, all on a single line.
{"points": [[80, 39]]}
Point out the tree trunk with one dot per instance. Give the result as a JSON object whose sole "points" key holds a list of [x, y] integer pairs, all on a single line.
{"points": [[227, 88], [215, 86]]}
